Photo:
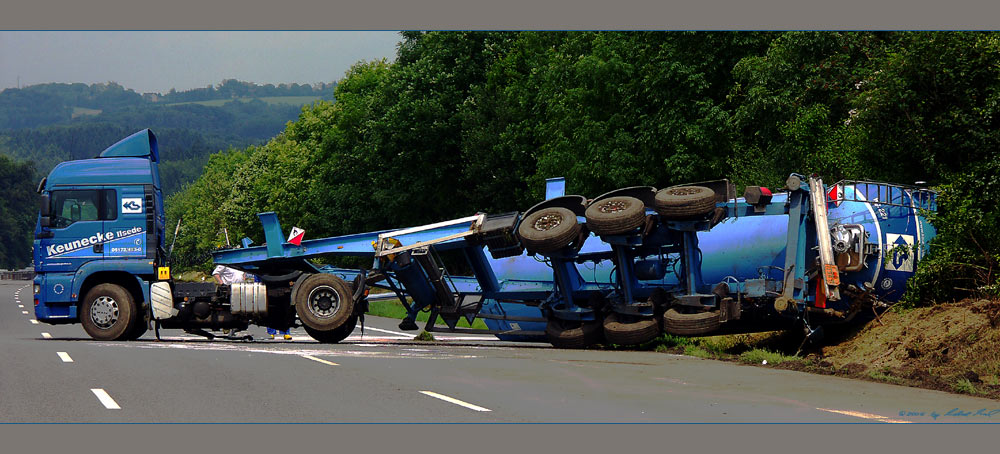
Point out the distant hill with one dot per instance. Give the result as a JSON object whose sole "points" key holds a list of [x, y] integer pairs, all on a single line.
{"points": [[45, 104], [50, 123]]}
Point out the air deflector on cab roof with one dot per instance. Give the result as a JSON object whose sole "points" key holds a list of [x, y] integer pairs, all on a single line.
{"points": [[139, 145]]}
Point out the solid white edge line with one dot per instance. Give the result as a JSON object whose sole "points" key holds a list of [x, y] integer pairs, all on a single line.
{"points": [[454, 401], [46, 336], [64, 357], [105, 399], [329, 363], [859, 414], [33, 321]]}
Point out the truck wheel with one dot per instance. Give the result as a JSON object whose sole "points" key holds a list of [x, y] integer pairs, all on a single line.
{"points": [[684, 202], [335, 335], [615, 215], [627, 330], [323, 302], [675, 322], [548, 229], [107, 312], [575, 335], [138, 328]]}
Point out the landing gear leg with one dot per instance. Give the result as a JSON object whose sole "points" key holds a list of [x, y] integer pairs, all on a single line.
{"points": [[811, 335]]}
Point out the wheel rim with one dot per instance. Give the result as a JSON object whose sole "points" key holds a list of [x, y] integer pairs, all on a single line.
{"points": [[612, 206], [324, 302], [547, 222], [104, 312]]}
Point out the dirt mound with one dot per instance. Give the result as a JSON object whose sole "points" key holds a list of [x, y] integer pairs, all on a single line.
{"points": [[951, 347]]}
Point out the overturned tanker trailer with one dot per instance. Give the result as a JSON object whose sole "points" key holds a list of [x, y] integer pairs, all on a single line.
{"points": [[623, 267]]}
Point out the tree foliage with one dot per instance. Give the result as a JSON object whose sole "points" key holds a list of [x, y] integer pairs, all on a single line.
{"points": [[468, 121], [17, 213]]}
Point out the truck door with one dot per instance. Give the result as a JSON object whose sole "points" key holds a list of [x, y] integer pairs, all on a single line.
{"points": [[127, 231], [77, 225]]}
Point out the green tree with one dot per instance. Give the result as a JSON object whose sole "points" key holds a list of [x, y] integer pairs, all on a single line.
{"points": [[18, 211]]}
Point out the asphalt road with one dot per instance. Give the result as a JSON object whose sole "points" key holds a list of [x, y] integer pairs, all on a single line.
{"points": [[57, 374]]}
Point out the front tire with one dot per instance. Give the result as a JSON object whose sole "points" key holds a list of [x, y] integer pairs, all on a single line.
{"points": [[108, 312], [138, 328]]}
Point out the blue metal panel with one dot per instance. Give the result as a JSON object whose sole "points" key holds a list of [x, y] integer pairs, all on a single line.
{"points": [[135, 267], [140, 144], [555, 187]]}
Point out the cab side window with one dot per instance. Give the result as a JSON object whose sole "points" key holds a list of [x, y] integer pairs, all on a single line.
{"points": [[79, 205]]}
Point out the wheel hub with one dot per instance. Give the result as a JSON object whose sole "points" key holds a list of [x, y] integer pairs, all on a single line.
{"points": [[547, 222], [104, 312], [613, 206], [324, 302]]}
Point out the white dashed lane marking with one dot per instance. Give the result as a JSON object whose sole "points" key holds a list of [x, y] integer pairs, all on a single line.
{"points": [[20, 306], [454, 401], [64, 357], [328, 363], [105, 399], [46, 336], [33, 321], [24, 312]]}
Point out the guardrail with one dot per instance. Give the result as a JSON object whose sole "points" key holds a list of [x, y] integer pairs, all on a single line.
{"points": [[17, 275]]}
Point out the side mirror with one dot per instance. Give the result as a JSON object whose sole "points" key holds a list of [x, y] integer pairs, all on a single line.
{"points": [[45, 204]]}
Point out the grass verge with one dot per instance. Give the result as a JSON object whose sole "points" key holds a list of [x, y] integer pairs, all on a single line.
{"points": [[759, 356], [395, 309]]}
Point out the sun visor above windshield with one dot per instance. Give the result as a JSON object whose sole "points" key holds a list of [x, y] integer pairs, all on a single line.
{"points": [[141, 144]]}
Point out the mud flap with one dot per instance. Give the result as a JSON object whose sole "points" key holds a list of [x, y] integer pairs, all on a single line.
{"points": [[162, 300]]}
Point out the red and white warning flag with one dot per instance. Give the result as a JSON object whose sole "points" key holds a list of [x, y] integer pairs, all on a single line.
{"points": [[836, 194], [296, 236]]}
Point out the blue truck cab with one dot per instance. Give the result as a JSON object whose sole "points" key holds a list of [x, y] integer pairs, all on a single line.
{"points": [[99, 239]]}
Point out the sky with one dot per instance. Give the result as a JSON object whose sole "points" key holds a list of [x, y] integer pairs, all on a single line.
{"points": [[158, 61]]}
